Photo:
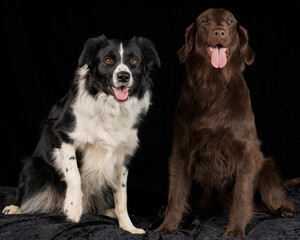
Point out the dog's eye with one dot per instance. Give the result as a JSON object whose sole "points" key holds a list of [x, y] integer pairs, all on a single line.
{"points": [[205, 21], [229, 21], [108, 60], [133, 61]]}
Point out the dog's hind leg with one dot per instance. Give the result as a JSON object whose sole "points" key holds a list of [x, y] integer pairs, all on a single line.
{"points": [[120, 198], [271, 190], [66, 163]]}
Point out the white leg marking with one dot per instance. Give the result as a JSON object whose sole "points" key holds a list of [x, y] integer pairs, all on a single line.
{"points": [[12, 209], [66, 163], [120, 197]]}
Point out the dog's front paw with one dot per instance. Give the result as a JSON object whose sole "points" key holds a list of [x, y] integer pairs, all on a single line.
{"points": [[233, 234], [135, 230], [73, 213], [167, 227], [73, 210]]}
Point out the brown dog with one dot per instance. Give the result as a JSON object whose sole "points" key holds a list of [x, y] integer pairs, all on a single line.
{"points": [[216, 161]]}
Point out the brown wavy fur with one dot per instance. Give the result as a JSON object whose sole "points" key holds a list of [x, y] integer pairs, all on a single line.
{"points": [[216, 161]]}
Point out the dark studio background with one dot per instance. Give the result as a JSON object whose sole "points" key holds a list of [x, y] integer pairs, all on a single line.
{"points": [[41, 44]]}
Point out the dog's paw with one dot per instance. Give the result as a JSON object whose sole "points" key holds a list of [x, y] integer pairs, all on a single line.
{"points": [[135, 230], [286, 212], [73, 213], [168, 227], [73, 210], [233, 234], [12, 209]]}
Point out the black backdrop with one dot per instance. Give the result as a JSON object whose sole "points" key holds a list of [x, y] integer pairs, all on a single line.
{"points": [[41, 44]]}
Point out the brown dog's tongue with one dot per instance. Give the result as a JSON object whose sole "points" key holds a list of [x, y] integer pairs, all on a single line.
{"points": [[218, 57]]}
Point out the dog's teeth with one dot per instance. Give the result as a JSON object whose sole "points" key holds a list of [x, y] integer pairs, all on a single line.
{"points": [[210, 49]]}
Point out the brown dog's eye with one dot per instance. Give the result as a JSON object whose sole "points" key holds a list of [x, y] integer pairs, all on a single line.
{"points": [[133, 61], [108, 60], [229, 21], [205, 21]]}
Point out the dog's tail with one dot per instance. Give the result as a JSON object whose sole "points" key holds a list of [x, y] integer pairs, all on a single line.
{"points": [[286, 183], [269, 175]]}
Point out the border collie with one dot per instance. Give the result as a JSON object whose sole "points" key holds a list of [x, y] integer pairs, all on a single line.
{"points": [[79, 164]]}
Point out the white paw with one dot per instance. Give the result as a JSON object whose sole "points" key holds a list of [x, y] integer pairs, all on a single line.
{"points": [[73, 209], [135, 230], [12, 209]]}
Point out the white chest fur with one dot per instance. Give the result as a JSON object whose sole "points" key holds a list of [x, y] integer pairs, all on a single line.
{"points": [[104, 133]]}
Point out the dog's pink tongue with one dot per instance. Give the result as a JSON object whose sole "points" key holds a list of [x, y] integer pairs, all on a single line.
{"points": [[218, 57], [121, 93]]}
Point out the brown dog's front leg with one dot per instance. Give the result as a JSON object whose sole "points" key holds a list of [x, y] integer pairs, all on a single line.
{"points": [[178, 194], [242, 204]]}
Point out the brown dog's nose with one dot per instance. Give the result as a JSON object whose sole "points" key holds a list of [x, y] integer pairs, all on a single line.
{"points": [[219, 33]]}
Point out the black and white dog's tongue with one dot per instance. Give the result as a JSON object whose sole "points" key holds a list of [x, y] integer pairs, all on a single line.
{"points": [[121, 93]]}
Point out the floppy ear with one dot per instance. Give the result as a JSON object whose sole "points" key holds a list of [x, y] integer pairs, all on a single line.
{"points": [[90, 50], [150, 54], [185, 50], [245, 51]]}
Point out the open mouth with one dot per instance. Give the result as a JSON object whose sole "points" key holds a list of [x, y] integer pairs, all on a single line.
{"points": [[218, 55], [120, 93]]}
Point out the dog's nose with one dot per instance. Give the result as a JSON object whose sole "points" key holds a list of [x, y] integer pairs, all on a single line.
{"points": [[219, 33], [123, 77]]}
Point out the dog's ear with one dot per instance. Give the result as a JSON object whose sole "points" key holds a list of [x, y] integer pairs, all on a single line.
{"points": [[185, 50], [90, 50], [245, 51], [152, 60]]}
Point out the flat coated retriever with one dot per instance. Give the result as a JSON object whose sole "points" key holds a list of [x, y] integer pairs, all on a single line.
{"points": [[216, 163]]}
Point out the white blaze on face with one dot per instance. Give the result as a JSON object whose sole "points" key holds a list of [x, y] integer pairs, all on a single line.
{"points": [[121, 67], [121, 90]]}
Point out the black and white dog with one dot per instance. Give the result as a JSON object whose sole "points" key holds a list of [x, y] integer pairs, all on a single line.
{"points": [[79, 165]]}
